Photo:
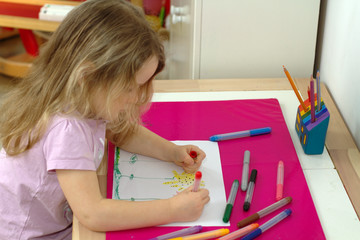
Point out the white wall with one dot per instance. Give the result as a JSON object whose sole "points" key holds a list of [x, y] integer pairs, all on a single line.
{"points": [[254, 38], [339, 58]]}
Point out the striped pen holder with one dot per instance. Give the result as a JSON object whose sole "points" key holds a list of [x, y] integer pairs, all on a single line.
{"points": [[312, 134]]}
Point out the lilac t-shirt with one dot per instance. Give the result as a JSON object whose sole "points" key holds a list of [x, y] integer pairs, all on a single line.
{"points": [[32, 204]]}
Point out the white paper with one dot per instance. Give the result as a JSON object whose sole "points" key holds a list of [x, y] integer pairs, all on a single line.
{"points": [[140, 178]]}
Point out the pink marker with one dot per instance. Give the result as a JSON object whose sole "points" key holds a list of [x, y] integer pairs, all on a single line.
{"points": [[197, 181], [280, 181]]}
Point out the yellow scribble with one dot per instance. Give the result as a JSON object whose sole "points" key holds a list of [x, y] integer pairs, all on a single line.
{"points": [[182, 180]]}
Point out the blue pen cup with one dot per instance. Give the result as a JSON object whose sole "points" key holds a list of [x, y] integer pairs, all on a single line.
{"points": [[312, 135]]}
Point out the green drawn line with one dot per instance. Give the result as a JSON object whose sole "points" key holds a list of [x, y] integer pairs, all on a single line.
{"points": [[116, 163], [118, 175], [133, 159]]}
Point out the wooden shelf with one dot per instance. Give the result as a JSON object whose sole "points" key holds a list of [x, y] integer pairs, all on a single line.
{"points": [[43, 2], [28, 23], [32, 23]]}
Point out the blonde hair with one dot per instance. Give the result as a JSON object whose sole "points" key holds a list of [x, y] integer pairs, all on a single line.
{"points": [[99, 46]]}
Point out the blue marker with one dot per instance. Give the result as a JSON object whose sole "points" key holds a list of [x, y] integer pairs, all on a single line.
{"points": [[241, 134], [257, 232]]}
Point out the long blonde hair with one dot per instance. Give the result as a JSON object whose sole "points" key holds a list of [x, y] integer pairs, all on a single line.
{"points": [[99, 46]]}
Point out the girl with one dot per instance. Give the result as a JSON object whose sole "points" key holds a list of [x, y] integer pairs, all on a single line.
{"points": [[93, 78]]}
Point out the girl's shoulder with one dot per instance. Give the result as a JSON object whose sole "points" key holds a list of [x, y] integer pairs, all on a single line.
{"points": [[70, 123], [66, 121], [64, 118]]}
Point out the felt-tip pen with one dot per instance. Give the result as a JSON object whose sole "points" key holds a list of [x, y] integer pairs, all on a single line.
{"points": [[245, 172], [241, 134], [257, 232], [205, 235], [197, 181], [180, 233], [231, 200], [250, 190], [280, 181], [263, 212], [240, 232]]}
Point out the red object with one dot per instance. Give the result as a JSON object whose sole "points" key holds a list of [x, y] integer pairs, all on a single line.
{"points": [[29, 41], [198, 175], [167, 7], [8, 29], [20, 10], [27, 11], [152, 7], [193, 154]]}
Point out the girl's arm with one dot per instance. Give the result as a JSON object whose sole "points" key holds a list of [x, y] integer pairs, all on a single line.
{"points": [[147, 143], [81, 189]]}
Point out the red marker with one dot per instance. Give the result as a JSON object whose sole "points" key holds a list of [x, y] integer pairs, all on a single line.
{"points": [[193, 154], [197, 181]]}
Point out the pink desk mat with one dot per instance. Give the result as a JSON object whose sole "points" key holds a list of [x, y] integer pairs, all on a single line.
{"points": [[200, 120]]}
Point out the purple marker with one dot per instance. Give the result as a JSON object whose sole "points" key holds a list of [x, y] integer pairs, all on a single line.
{"points": [[180, 233], [312, 99], [318, 91]]}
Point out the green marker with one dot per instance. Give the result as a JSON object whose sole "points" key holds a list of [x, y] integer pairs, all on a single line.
{"points": [[162, 16], [231, 200]]}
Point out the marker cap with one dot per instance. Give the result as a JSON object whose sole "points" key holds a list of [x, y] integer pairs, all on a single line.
{"points": [[246, 206], [248, 220], [253, 175], [227, 213], [193, 154], [257, 232], [279, 191], [260, 131]]}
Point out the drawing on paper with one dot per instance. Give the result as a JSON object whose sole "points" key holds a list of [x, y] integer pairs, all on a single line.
{"points": [[133, 159], [172, 179], [182, 181], [141, 178]]}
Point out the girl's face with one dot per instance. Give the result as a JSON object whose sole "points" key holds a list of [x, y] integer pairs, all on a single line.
{"points": [[145, 73]]}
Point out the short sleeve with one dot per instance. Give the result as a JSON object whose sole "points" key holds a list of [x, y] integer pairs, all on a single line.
{"points": [[69, 145]]}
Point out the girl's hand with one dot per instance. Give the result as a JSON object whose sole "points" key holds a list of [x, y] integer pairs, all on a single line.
{"points": [[188, 206], [184, 160]]}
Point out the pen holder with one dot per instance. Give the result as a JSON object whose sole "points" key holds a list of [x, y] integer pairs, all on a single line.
{"points": [[312, 134]]}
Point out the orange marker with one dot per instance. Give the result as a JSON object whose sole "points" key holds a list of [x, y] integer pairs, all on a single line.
{"points": [[204, 235], [295, 89], [239, 233]]}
